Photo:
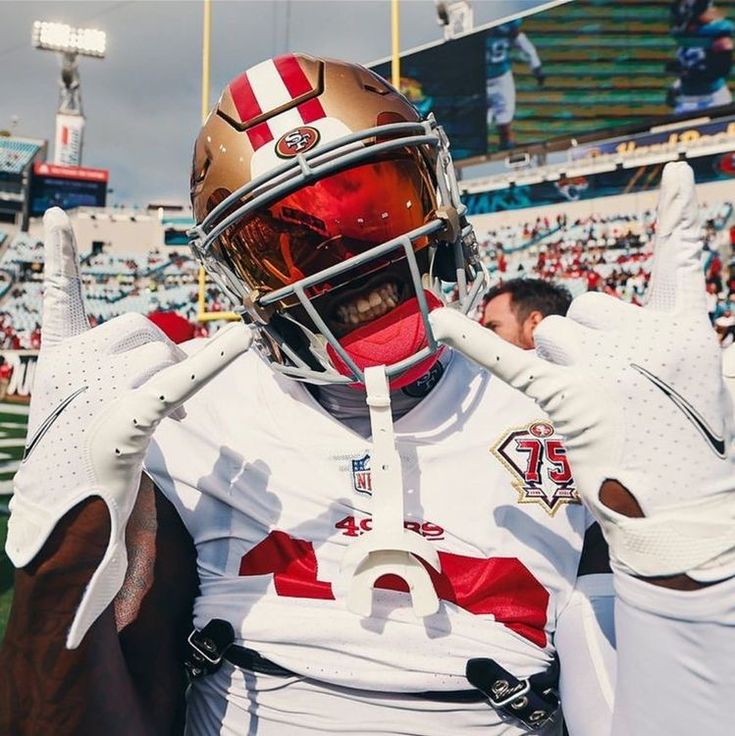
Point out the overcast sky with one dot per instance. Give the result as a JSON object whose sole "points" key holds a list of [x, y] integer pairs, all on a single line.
{"points": [[142, 102]]}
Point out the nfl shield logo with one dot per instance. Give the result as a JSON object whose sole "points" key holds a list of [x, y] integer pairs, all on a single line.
{"points": [[361, 480]]}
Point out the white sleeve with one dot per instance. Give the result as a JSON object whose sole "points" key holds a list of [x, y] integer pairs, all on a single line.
{"points": [[676, 659], [585, 642], [528, 50]]}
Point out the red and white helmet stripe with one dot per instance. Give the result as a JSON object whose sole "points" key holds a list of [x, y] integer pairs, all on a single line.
{"points": [[268, 86]]}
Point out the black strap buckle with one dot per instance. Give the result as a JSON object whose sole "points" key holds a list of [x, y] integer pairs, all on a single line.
{"points": [[533, 700], [507, 694], [207, 647]]}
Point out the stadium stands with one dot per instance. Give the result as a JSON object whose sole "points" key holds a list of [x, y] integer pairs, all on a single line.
{"points": [[605, 251], [114, 283], [610, 253], [16, 154]]}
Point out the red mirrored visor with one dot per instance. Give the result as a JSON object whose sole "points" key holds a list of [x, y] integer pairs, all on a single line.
{"points": [[329, 221]]}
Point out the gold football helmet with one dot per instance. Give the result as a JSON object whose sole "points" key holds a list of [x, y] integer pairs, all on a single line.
{"points": [[329, 212]]}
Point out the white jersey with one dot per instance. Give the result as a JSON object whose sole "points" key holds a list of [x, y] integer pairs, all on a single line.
{"points": [[274, 490]]}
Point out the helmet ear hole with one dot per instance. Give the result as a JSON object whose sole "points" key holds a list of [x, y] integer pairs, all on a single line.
{"points": [[444, 267], [295, 337]]}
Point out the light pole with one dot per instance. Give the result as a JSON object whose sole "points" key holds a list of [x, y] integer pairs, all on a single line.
{"points": [[69, 43], [395, 67]]}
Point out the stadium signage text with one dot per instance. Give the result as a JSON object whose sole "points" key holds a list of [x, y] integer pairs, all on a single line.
{"points": [[71, 172], [17, 368], [649, 143], [685, 137]]}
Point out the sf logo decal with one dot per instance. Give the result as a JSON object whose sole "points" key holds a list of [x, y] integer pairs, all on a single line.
{"points": [[537, 460], [297, 141]]}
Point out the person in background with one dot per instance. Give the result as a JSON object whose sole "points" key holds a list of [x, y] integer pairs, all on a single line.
{"points": [[725, 329], [703, 60], [500, 85], [514, 308]]}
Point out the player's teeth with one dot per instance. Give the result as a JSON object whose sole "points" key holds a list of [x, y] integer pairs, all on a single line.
{"points": [[369, 307]]}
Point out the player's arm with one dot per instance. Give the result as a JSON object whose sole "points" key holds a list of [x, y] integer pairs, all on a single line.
{"points": [[46, 688], [126, 676], [522, 42], [154, 605], [585, 642], [98, 396], [673, 92], [639, 395]]}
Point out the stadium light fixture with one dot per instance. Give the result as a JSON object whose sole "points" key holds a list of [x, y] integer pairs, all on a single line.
{"points": [[67, 39], [70, 43]]}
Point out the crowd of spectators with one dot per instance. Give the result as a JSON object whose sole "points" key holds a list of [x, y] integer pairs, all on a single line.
{"points": [[611, 254], [113, 284]]}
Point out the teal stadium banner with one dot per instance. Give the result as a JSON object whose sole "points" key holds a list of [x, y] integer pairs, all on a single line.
{"points": [[645, 177]]}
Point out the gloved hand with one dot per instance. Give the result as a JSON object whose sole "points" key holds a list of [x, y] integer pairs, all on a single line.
{"points": [[98, 395], [538, 72], [639, 396]]}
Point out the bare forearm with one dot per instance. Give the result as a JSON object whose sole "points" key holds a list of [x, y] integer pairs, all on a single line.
{"points": [[46, 688]]}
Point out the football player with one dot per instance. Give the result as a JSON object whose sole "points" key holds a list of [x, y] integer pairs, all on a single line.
{"points": [[500, 85], [703, 57], [377, 536]]}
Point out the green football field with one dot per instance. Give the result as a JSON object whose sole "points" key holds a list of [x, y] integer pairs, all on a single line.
{"points": [[13, 424]]}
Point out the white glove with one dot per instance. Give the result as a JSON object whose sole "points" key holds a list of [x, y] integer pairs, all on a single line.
{"points": [[638, 393], [98, 395], [728, 369]]}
